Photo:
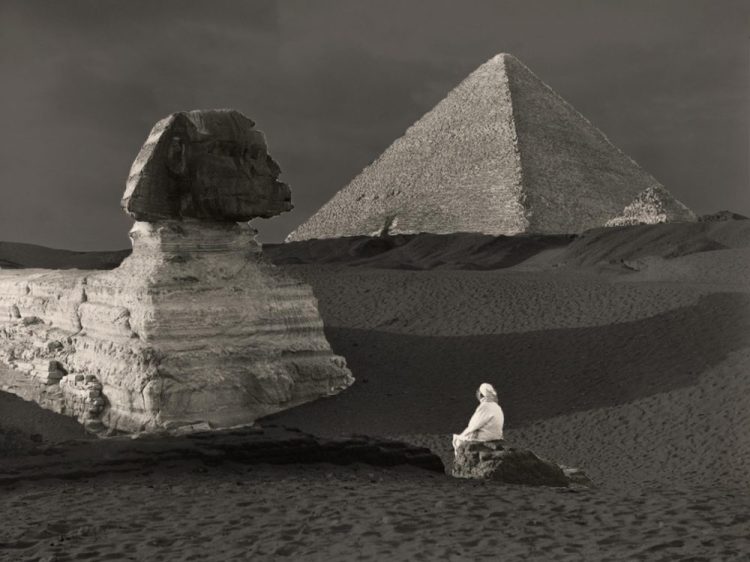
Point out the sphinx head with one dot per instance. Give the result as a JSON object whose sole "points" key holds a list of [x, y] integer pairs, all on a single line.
{"points": [[205, 164]]}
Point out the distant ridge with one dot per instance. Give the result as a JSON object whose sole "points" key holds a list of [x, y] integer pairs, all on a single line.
{"points": [[474, 251], [501, 154], [18, 255], [452, 251]]}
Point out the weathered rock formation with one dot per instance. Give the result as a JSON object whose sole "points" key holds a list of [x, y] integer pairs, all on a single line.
{"points": [[502, 154], [493, 460], [653, 205], [211, 165], [193, 327]]}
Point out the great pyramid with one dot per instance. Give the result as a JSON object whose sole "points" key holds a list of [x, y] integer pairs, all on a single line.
{"points": [[501, 154]]}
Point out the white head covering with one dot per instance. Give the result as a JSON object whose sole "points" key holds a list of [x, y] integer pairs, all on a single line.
{"points": [[488, 391]]}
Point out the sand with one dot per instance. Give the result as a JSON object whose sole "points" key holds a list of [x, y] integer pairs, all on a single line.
{"points": [[16, 255], [360, 513], [635, 370]]}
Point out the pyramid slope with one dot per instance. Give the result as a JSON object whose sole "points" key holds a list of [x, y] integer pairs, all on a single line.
{"points": [[456, 169], [574, 178], [502, 154]]}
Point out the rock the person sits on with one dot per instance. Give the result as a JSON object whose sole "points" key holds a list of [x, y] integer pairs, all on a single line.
{"points": [[493, 460], [481, 453]]}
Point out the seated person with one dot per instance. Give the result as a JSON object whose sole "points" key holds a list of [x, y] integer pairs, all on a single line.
{"points": [[487, 422]]}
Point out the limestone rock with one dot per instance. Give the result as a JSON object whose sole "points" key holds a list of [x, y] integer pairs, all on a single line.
{"points": [[49, 371], [194, 328], [652, 206], [493, 460], [502, 154], [205, 164]]}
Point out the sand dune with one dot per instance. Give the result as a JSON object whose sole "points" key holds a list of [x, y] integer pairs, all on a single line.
{"points": [[427, 382], [480, 251], [449, 251], [729, 269], [461, 303], [193, 512], [424, 251], [16, 255], [631, 360], [671, 240], [696, 435]]}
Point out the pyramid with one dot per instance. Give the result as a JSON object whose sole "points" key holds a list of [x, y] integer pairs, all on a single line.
{"points": [[653, 205], [501, 154]]}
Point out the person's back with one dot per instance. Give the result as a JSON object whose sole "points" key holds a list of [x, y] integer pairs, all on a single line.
{"points": [[492, 428], [487, 422]]}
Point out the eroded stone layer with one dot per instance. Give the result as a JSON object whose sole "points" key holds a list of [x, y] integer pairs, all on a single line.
{"points": [[193, 327], [205, 164]]}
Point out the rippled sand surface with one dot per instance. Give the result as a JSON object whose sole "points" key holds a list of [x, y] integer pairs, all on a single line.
{"points": [[638, 376]]}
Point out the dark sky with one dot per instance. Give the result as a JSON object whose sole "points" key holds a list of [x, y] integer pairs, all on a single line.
{"points": [[333, 83]]}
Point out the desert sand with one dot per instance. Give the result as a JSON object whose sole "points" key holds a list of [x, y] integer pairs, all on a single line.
{"points": [[17, 255], [628, 357]]}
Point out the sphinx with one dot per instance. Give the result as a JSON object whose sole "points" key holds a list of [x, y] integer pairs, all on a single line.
{"points": [[195, 328]]}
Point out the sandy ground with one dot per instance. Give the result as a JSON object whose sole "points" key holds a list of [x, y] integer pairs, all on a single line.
{"points": [[638, 373], [16, 255], [360, 513]]}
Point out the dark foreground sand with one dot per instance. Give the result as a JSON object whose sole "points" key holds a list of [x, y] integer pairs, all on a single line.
{"points": [[636, 372], [360, 513]]}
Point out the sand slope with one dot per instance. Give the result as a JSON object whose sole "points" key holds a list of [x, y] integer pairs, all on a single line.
{"points": [[427, 382], [666, 240], [449, 251], [479, 251], [194, 512], [16, 255], [631, 361]]}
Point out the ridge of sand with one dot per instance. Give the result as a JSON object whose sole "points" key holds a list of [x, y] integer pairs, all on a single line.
{"points": [[17, 255], [617, 244], [462, 250]]}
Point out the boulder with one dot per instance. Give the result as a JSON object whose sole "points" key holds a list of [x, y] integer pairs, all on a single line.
{"points": [[494, 460], [205, 164]]}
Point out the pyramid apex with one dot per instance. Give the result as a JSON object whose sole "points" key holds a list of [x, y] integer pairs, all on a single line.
{"points": [[502, 62], [502, 57]]}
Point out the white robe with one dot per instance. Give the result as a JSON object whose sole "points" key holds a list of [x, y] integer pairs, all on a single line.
{"points": [[485, 425]]}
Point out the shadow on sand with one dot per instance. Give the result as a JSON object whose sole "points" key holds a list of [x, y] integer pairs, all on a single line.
{"points": [[425, 384]]}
